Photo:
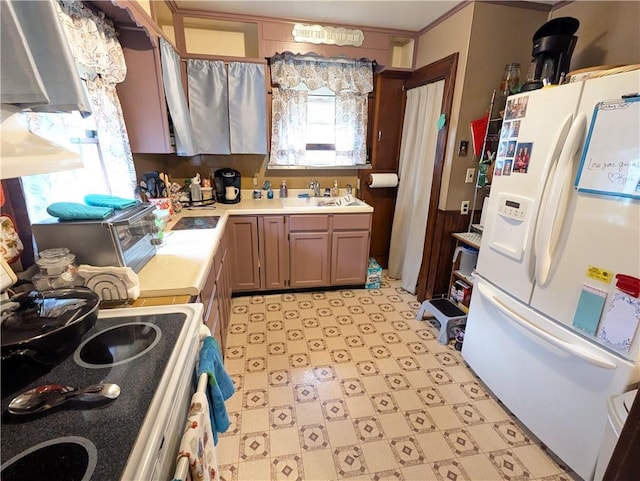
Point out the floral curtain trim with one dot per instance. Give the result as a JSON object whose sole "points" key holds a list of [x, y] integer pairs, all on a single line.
{"points": [[93, 42], [113, 138], [288, 126], [351, 135], [289, 70]]}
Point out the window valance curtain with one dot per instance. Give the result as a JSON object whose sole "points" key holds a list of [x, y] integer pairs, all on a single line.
{"points": [[289, 70]]}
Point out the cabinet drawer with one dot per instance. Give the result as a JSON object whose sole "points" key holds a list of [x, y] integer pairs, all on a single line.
{"points": [[306, 223], [351, 221]]}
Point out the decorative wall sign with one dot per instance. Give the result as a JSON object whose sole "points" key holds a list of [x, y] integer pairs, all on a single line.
{"points": [[328, 35]]}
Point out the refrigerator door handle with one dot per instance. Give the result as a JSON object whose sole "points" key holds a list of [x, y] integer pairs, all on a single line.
{"points": [[550, 168], [556, 202], [567, 347]]}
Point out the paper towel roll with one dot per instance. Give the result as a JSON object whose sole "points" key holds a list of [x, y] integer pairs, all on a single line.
{"points": [[376, 181]]}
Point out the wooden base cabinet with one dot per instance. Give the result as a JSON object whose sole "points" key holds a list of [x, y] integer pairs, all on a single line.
{"points": [[309, 250], [298, 251], [309, 258], [349, 257], [274, 255], [216, 295], [350, 238], [245, 259]]}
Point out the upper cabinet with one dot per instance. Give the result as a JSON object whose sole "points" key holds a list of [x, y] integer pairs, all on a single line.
{"points": [[142, 96], [384, 136], [209, 36], [386, 125]]}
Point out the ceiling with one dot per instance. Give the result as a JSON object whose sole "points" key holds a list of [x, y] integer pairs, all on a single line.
{"points": [[401, 15]]}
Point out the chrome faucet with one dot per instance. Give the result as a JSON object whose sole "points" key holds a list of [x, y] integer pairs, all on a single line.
{"points": [[315, 187], [349, 189]]}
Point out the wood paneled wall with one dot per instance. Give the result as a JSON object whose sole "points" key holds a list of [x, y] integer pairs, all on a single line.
{"points": [[439, 254]]}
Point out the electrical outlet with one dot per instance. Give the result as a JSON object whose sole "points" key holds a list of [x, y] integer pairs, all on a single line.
{"points": [[469, 177], [464, 207], [358, 184], [255, 180]]}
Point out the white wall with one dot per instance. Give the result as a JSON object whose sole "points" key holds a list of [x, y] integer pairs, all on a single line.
{"points": [[609, 32], [450, 36]]}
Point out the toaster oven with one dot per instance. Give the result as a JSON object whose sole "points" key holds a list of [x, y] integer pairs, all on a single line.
{"points": [[125, 239]]}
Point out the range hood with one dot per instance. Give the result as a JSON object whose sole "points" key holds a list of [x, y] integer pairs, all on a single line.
{"points": [[23, 153]]}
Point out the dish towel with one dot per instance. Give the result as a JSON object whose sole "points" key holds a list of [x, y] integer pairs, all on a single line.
{"points": [[220, 386], [76, 211], [111, 283], [100, 200], [197, 441]]}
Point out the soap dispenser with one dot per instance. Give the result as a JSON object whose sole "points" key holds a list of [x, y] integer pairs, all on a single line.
{"points": [[283, 190], [335, 192]]}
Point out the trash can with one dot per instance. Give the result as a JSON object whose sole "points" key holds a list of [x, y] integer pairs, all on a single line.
{"points": [[618, 409]]}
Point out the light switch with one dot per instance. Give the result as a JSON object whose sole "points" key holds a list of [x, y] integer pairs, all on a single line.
{"points": [[468, 179]]}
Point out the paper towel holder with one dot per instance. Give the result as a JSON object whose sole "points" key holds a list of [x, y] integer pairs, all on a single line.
{"points": [[371, 184]]}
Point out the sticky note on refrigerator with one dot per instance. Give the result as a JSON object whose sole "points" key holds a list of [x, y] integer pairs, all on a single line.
{"points": [[589, 309], [620, 323]]}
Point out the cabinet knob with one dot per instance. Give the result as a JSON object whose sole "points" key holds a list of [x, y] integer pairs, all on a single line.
{"points": [[379, 135]]}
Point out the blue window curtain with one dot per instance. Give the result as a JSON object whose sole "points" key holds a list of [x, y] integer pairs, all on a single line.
{"points": [[247, 108], [177, 100], [209, 106], [228, 107]]}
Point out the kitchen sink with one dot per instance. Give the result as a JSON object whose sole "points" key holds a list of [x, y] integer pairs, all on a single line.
{"points": [[313, 202]]}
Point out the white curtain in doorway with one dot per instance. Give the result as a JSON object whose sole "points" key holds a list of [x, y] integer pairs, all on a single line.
{"points": [[417, 156]]}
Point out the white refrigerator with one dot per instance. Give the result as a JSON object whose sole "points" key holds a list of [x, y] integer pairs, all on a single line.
{"points": [[554, 310]]}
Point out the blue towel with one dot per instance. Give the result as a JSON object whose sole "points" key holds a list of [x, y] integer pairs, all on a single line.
{"points": [[100, 200], [75, 211], [220, 386]]}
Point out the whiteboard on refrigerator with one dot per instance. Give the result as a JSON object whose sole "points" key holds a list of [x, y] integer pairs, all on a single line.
{"points": [[610, 162]]}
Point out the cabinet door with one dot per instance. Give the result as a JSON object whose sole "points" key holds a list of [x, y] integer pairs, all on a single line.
{"points": [[349, 257], [245, 260], [386, 135], [273, 252], [387, 121], [142, 95], [206, 298], [309, 259]]}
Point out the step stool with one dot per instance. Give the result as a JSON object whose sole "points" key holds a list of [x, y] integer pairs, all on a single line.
{"points": [[446, 313]]}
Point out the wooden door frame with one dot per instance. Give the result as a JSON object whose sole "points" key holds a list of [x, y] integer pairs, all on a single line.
{"points": [[443, 69]]}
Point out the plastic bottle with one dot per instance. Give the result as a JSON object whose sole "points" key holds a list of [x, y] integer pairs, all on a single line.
{"points": [[335, 192], [283, 190]]}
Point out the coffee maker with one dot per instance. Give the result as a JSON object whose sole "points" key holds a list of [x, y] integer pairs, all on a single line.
{"points": [[227, 184], [553, 45]]}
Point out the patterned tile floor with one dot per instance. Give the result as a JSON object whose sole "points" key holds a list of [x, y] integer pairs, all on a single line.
{"points": [[347, 384]]}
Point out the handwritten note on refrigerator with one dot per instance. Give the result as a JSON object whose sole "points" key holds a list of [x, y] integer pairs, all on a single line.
{"points": [[610, 162], [620, 322]]}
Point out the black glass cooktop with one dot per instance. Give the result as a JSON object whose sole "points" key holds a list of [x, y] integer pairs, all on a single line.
{"points": [[204, 222], [132, 352]]}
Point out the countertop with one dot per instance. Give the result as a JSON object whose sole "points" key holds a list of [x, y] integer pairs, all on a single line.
{"points": [[180, 267]]}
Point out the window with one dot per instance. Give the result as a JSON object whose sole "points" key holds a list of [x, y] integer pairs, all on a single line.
{"points": [[80, 135], [321, 128], [319, 111]]}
